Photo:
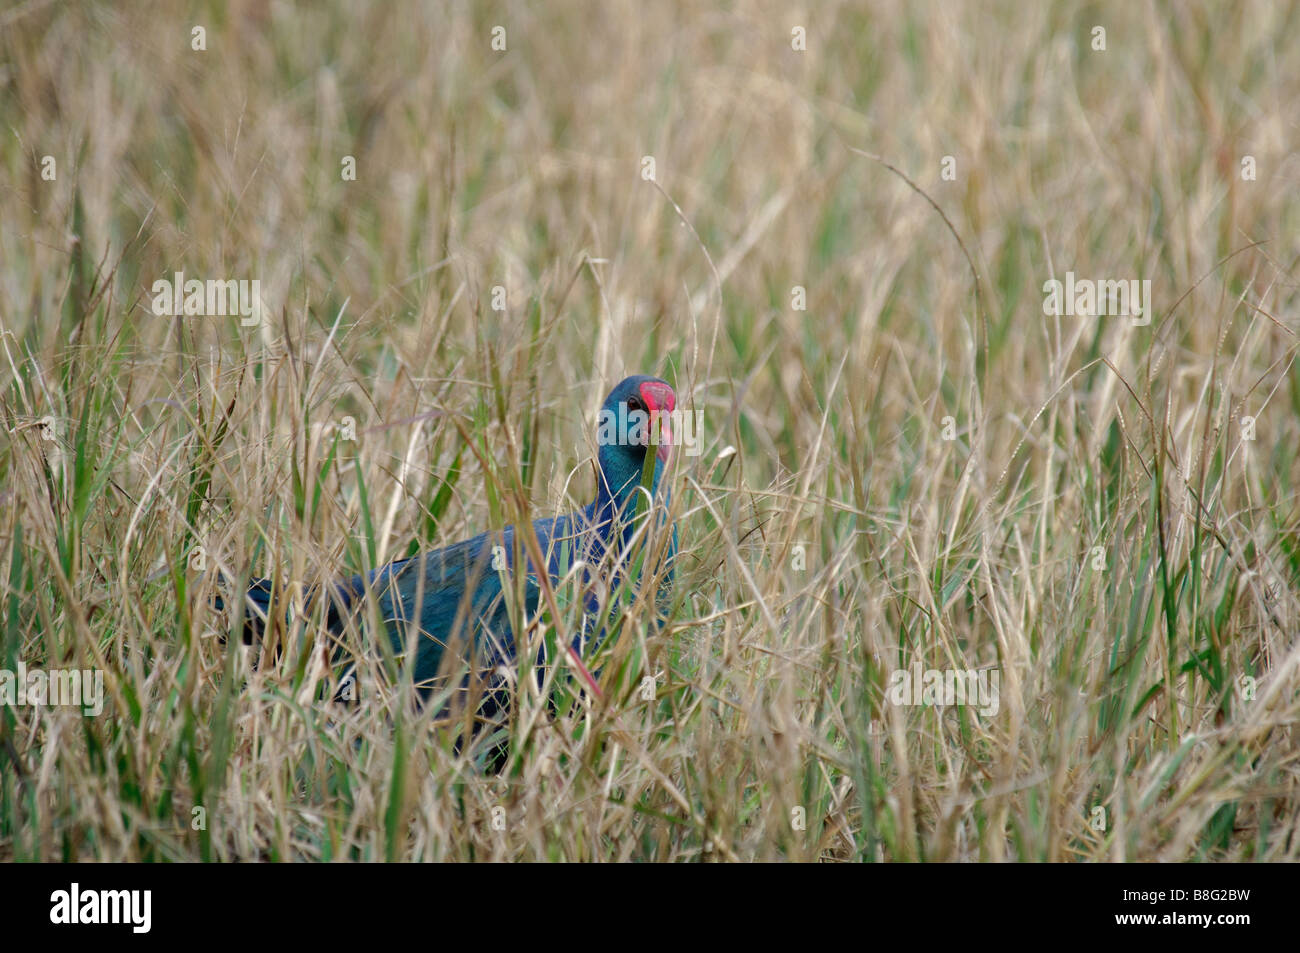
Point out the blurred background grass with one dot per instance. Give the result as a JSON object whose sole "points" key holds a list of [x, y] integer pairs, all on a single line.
{"points": [[1148, 708]]}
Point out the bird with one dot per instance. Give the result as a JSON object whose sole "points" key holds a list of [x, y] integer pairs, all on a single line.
{"points": [[452, 598]]}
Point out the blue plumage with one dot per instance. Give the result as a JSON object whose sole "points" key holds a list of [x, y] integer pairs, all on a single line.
{"points": [[452, 597]]}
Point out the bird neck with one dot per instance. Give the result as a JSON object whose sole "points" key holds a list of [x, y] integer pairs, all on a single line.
{"points": [[618, 485]]}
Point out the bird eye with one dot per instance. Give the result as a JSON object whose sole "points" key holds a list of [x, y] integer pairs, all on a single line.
{"points": [[633, 405]]}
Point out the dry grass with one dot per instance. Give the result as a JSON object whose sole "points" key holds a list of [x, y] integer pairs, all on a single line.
{"points": [[1077, 442]]}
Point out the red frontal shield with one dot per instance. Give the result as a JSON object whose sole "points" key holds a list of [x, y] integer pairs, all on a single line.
{"points": [[660, 401]]}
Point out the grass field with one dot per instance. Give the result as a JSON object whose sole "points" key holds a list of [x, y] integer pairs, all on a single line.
{"points": [[831, 230]]}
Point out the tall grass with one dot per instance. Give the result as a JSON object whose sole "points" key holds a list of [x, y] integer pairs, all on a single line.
{"points": [[1108, 522]]}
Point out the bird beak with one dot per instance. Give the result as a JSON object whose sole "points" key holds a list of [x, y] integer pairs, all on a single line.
{"points": [[665, 440], [661, 401]]}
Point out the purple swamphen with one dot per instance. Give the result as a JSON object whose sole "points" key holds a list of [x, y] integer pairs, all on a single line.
{"points": [[452, 597]]}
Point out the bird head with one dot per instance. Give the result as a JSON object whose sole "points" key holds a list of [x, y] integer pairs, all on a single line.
{"points": [[635, 414]]}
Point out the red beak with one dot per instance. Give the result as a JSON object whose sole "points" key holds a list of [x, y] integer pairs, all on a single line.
{"points": [[659, 397]]}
